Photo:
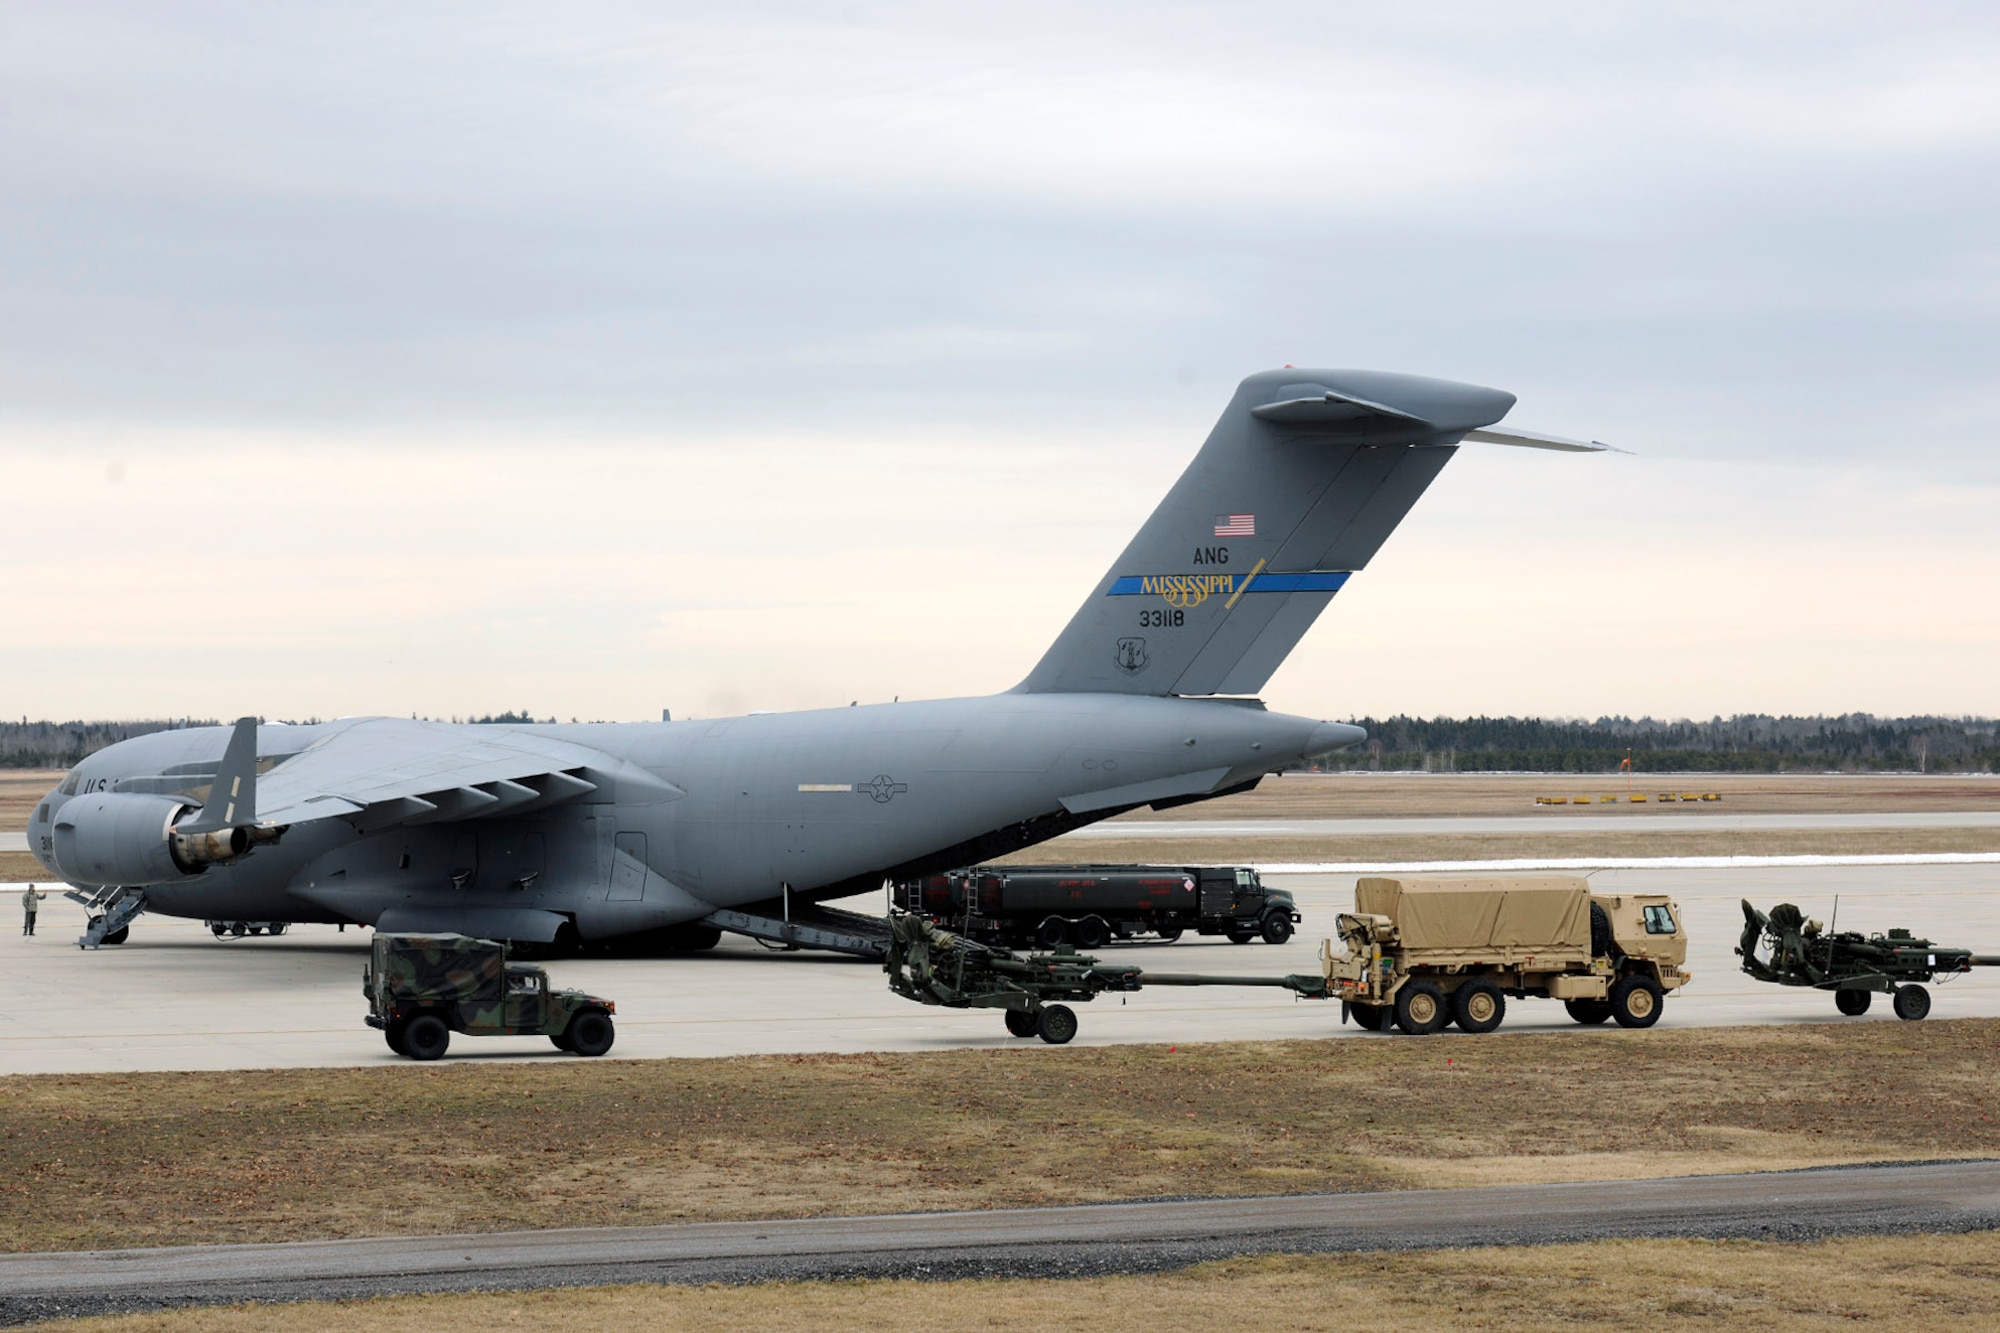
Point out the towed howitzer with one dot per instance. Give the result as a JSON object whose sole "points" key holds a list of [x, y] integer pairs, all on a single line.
{"points": [[931, 965], [1797, 951]]}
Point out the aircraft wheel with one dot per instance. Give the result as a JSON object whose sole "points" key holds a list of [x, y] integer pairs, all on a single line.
{"points": [[590, 1033], [1635, 1001], [1277, 928], [1853, 1003], [1020, 1023], [425, 1037], [1168, 934], [1912, 1002], [1588, 1012], [238, 929], [1479, 1007], [1092, 933], [1056, 1023], [119, 936], [1420, 1008], [278, 928], [219, 929], [1052, 932]]}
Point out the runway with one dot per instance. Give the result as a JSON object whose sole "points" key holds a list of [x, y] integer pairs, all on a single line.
{"points": [[176, 998], [1035, 1242], [1584, 820]]}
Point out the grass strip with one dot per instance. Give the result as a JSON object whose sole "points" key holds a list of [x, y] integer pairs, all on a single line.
{"points": [[113, 1160]]}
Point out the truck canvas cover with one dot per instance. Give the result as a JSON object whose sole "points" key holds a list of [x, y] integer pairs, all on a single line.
{"points": [[1530, 912]]}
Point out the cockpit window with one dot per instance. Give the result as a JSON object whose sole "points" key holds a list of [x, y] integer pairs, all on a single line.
{"points": [[1659, 921], [69, 783]]}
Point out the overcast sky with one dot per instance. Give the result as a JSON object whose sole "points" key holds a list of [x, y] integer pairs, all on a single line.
{"points": [[449, 359]]}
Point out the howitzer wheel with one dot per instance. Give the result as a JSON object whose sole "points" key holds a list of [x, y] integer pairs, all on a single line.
{"points": [[1020, 1023], [1056, 1023], [1635, 1001], [1421, 1008], [1479, 1007], [425, 1037], [1277, 928], [1912, 1002], [1853, 1003], [589, 1033]]}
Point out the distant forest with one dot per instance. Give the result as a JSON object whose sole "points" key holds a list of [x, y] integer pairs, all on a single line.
{"points": [[1747, 743]]}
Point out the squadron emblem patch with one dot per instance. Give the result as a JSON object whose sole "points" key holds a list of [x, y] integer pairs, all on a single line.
{"points": [[1131, 656]]}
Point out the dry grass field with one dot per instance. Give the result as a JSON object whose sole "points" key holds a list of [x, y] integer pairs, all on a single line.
{"points": [[156, 1159], [1911, 1281]]}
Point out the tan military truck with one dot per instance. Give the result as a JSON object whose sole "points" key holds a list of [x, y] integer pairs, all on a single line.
{"points": [[1422, 952]]}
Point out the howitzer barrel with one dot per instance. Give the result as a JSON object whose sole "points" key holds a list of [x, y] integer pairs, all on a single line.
{"points": [[1307, 984], [1985, 960]]}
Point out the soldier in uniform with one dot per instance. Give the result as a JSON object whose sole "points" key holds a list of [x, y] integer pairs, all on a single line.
{"points": [[31, 902]]}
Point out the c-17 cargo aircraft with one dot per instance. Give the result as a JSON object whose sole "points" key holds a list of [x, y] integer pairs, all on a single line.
{"points": [[652, 834]]}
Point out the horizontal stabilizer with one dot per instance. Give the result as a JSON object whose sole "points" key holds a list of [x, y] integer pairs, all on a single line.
{"points": [[1530, 439]]}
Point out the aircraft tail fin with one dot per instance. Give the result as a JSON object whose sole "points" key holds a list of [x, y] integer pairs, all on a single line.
{"points": [[1302, 479]]}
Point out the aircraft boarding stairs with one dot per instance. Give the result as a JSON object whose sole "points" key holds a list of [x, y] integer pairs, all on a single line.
{"points": [[112, 909]]}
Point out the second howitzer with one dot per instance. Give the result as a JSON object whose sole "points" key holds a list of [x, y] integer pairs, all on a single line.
{"points": [[935, 966], [1788, 949]]}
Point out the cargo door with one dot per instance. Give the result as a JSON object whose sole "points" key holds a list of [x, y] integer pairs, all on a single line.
{"points": [[628, 868]]}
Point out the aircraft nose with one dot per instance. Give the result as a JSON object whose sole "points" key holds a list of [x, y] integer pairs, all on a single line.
{"points": [[1330, 736]]}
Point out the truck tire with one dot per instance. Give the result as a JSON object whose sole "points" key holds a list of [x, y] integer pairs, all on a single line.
{"points": [[1242, 936], [1421, 1008], [589, 1033], [1479, 1007], [1912, 1002], [1368, 1017], [1588, 1012], [1056, 1023], [1020, 1023], [425, 1037], [1168, 934], [1853, 1003], [1052, 932], [1635, 1001], [1277, 928], [1603, 944], [1093, 932]]}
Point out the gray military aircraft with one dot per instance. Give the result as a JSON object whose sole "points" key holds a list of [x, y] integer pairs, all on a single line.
{"points": [[656, 833]]}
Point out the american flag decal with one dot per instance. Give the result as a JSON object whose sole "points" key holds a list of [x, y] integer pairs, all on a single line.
{"points": [[1236, 525]]}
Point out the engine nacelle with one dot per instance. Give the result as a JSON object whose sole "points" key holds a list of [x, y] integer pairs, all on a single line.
{"points": [[127, 838]]}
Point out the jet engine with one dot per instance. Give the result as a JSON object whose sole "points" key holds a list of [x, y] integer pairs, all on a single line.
{"points": [[126, 838]]}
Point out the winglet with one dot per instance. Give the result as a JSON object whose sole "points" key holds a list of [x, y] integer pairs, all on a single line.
{"points": [[232, 797]]}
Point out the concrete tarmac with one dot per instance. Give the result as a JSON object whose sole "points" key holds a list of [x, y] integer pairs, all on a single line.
{"points": [[176, 998], [1128, 830], [1032, 1242]]}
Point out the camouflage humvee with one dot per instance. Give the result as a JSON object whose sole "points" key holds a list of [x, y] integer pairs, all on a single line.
{"points": [[423, 988]]}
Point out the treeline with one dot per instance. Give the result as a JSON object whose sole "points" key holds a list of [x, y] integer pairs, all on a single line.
{"points": [[1746, 743]]}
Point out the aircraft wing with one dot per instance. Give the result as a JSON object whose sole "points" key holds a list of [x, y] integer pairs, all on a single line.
{"points": [[380, 772]]}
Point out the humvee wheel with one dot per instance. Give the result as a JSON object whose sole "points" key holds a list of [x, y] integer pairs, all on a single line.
{"points": [[1479, 1007], [1056, 1023], [1420, 1008], [1277, 928], [1092, 933], [1853, 1003], [559, 1040], [425, 1037], [1020, 1023], [1635, 1002], [1168, 934], [1588, 1011], [589, 1033], [1912, 1002], [1052, 932]]}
